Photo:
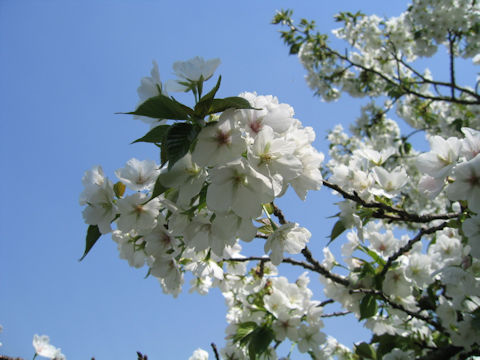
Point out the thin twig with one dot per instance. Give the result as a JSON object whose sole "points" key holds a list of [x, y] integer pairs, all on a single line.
{"points": [[326, 302], [279, 214], [336, 314], [215, 351], [317, 267], [408, 246], [400, 307], [399, 214]]}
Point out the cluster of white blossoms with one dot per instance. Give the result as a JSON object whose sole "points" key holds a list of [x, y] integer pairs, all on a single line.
{"points": [[453, 164], [242, 159], [410, 265], [445, 178]]}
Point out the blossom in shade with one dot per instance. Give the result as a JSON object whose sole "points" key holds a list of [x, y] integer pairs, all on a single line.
{"points": [[185, 175], [273, 155], [471, 143], [98, 195], [138, 214], [237, 186], [138, 175], [219, 143], [191, 71], [391, 182], [471, 229], [150, 86], [442, 157], [290, 238], [467, 183]]}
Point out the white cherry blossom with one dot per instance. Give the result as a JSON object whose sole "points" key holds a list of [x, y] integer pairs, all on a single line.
{"points": [[289, 238], [138, 214], [219, 143], [237, 186], [139, 175]]}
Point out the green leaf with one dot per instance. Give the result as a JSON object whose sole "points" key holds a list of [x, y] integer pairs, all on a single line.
{"points": [[368, 306], [260, 339], [234, 102], [179, 138], [203, 106], [158, 189], [365, 351], [163, 154], [377, 258], [156, 135], [244, 330], [367, 270], [93, 234], [337, 230], [163, 107]]}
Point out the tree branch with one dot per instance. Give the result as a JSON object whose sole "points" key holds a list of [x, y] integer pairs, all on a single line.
{"points": [[408, 246], [400, 307], [336, 314], [400, 214], [215, 351], [279, 214], [317, 267]]}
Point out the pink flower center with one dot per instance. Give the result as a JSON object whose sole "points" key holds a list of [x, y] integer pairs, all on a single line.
{"points": [[223, 138], [256, 126]]}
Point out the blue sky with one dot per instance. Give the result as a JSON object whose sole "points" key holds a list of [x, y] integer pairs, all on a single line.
{"points": [[66, 68]]}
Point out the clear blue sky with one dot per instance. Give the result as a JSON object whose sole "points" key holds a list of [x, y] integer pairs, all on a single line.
{"points": [[66, 68]]}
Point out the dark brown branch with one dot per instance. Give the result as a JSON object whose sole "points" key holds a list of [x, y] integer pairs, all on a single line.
{"points": [[408, 246], [451, 46], [279, 214], [397, 306], [326, 302], [398, 214], [265, 259], [317, 267], [423, 80], [312, 265], [215, 351], [5, 357], [261, 236], [405, 89], [336, 314]]}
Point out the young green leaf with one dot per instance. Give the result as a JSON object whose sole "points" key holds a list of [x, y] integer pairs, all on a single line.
{"points": [[337, 230], [365, 351], [180, 137], [203, 106], [260, 339], [158, 189], [234, 102], [244, 330], [368, 306], [163, 107], [156, 135], [93, 234]]}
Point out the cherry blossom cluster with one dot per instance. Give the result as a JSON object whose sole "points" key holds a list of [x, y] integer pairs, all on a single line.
{"points": [[409, 267], [282, 309], [412, 248], [242, 159], [372, 170]]}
